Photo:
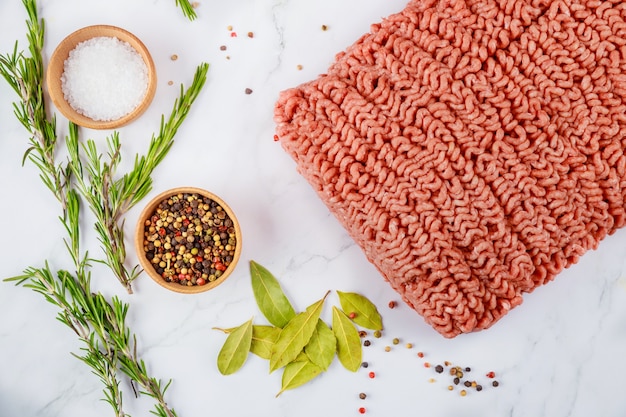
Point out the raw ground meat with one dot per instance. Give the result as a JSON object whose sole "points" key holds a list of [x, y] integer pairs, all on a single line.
{"points": [[473, 149]]}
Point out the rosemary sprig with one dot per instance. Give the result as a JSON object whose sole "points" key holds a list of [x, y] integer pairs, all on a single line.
{"points": [[109, 346], [25, 75], [187, 8], [109, 198]]}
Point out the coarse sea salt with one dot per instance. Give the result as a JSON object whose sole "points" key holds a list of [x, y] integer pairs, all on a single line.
{"points": [[104, 78]]}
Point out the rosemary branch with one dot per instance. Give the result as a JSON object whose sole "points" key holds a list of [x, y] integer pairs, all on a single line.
{"points": [[187, 8], [109, 347], [24, 75], [109, 198]]}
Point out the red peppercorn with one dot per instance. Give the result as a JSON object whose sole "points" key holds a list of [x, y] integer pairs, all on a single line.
{"points": [[199, 258], [372, 375], [220, 266], [392, 304], [162, 231], [362, 410], [491, 374], [352, 315], [200, 281], [233, 34], [275, 138], [420, 354]]}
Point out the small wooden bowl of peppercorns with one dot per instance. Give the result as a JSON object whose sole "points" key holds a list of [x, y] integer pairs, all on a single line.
{"points": [[188, 240]]}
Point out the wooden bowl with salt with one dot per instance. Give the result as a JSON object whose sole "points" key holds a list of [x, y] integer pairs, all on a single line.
{"points": [[101, 77]]}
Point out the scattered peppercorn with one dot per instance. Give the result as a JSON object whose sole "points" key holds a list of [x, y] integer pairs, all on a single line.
{"points": [[463, 393], [395, 341], [367, 343], [426, 365], [468, 369], [299, 67], [439, 369], [250, 34], [479, 387], [174, 57], [364, 364], [362, 333], [362, 396], [233, 34], [170, 82], [377, 334], [495, 383], [450, 387], [248, 91], [409, 345], [324, 27], [420, 354], [387, 348], [467, 384], [223, 48], [392, 304], [229, 27], [352, 315], [432, 380], [372, 375], [362, 410], [491, 374], [456, 381]]}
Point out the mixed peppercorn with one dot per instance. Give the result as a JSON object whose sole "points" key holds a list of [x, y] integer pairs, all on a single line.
{"points": [[189, 239], [459, 375]]}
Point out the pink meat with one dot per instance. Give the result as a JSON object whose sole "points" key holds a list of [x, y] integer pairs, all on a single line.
{"points": [[473, 149]]}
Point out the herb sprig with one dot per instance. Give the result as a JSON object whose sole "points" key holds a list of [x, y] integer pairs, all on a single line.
{"points": [[187, 8], [110, 347], [110, 198]]}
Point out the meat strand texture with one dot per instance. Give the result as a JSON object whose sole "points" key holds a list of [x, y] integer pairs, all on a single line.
{"points": [[473, 149]]}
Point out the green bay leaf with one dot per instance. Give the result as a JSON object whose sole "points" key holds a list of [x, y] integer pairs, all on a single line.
{"points": [[297, 374], [365, 312], [234, 353], [322, 346], [263, 338], [295, 335], [348, 341], [270, 297]]}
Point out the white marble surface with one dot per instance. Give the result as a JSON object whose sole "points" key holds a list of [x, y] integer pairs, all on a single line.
{"points": [[562, 353]]}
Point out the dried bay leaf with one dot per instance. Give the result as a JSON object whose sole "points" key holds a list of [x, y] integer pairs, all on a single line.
{"points": [[365, 312], [295, 335], [298, 373], [322, 346], [348, 341], [234, 353], [270, 297], [263, 338]]}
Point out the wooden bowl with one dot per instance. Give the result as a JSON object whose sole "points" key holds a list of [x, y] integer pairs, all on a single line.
{"points": [[142, 240], [60, 55]]}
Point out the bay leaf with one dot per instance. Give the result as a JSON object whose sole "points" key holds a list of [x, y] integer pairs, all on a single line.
{"points": [[295, 335], [297, 374], [322, 346], [263, 338], [365, 312], [234, 353], [270, 297], [348, 341]]}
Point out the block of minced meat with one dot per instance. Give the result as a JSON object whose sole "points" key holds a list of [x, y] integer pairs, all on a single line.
{"points": [[473, 149]]}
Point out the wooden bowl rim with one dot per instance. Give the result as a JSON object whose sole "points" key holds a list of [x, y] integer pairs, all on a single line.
{"points": [[61, 53], [147, 266]]}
